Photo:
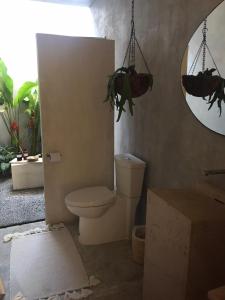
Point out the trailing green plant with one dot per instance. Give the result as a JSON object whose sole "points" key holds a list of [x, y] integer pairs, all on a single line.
{"points": [[7, 153], [124, 85]]}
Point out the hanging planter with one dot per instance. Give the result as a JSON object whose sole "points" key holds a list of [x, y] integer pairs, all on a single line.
{"points": [[139, 82], [205, 84], [126, 83], [202, 85]]}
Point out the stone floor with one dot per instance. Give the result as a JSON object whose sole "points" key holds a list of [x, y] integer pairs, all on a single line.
{"points": [[121, 278]]}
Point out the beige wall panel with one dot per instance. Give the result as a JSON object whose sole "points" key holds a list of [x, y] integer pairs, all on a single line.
{"points": [[73, 76]]}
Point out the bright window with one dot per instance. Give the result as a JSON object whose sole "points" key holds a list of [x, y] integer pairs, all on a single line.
{"points": [[22, 19]]}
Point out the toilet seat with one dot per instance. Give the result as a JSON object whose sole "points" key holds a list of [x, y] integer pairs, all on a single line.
{"points": [[90, 197]]}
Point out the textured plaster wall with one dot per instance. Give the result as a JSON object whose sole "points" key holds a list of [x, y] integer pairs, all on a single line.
{"points": [[163, 132]]}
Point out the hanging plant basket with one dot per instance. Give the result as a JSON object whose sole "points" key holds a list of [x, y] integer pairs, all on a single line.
{"points": [[205, 84], [202, 85], [126, 83], [139, 82]]}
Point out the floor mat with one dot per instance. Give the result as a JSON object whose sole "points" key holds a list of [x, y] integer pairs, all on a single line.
{"points": [[20, 207], [45, 264]]}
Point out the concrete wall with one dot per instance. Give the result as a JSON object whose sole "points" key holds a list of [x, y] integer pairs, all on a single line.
{"points": [[75, 122], [163, 131]]}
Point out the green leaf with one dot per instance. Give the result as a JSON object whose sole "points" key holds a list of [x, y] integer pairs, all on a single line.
{"points": [[4, 167], [28, 111], [2, 158], [24, 92], [3, 73], [6, 82], [112, 96], [9, 157]]}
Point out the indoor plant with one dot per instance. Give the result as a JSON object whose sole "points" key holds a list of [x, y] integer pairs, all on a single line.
{"points": [[205, 84], [202, 85], [126, 83]]}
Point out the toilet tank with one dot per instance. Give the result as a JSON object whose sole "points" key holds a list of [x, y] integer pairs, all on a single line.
{"points": [[129, 175]]}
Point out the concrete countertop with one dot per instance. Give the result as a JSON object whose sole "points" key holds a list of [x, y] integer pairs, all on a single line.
{"points": [[194, 205]]}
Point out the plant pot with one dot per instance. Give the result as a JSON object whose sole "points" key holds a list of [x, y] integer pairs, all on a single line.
{"points": [[25, 155], [200, 85], [19, 156], [139, 83]]}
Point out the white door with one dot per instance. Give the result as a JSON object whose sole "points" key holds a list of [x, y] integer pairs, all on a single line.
{"points": [[73, 73]]}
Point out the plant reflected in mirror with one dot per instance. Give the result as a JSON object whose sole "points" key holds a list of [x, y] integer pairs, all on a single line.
{"points": [[203, 71]]}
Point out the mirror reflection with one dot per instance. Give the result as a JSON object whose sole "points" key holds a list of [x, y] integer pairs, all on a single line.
{"points": [[203, 71]]}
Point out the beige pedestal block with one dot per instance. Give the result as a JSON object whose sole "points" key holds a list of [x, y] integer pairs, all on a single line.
{"points": [[27, 175], [185, 245]]}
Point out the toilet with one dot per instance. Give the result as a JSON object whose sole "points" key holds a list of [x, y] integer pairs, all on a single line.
{"points": [[106, 216]]}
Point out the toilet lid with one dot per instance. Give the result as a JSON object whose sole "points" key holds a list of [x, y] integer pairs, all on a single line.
{"points": [[90, 197]]}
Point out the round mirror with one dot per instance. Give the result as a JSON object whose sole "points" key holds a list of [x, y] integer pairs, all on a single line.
{"points": [[203, 71]]}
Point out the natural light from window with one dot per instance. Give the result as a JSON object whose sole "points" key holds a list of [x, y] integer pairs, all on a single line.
{"points": [[22, 19]]}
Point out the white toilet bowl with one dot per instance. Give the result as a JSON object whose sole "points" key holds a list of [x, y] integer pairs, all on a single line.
{"points": [[107, 216], [91, 202]]}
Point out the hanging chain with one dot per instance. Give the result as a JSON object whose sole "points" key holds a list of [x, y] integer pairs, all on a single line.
{"points": [[204, 32], [131, 58], [132, 49], [213, 60], [203, 49], [130, 52], [195, 61], [132, 12]]}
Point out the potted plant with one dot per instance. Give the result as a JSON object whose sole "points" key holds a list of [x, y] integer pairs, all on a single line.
{"points": [[202, 85], [124, 85], [205, 84]]}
